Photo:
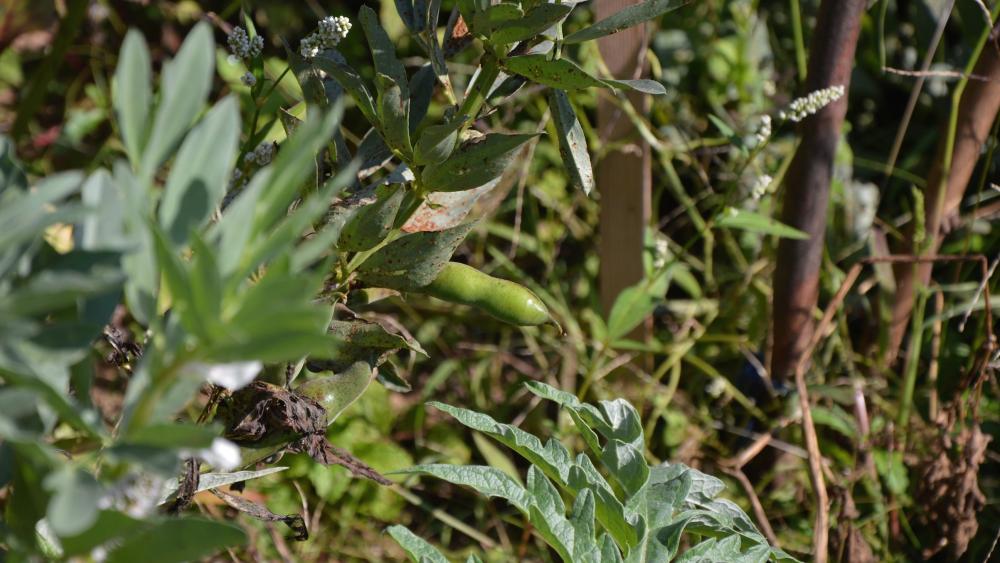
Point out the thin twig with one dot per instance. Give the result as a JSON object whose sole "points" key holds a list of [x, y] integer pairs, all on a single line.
{"points": [[979, 293], [957, 75], [918, 86], [932, 371], [747, 454], [758, 509]]}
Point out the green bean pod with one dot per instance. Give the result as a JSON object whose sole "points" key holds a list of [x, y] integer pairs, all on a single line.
{"points": [[336, 392], [501, 299]]}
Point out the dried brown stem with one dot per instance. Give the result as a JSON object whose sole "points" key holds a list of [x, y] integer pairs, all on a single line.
{"points": [[807, 185], [758, 509]]}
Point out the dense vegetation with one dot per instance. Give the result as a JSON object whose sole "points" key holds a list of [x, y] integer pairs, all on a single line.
{"points": [[319, 282]]}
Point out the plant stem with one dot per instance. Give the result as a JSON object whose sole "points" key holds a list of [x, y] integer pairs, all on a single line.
{"points": [[800, 45]]}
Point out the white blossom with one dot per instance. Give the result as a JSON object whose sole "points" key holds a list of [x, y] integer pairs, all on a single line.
{"points": [[249, 79], [232, 376], [716, 387], [763, 130], [760, 186], [331, 31], [244, 47], [136, 495], [222, 455], [800, 108]]}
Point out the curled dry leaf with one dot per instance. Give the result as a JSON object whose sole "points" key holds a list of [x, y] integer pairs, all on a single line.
{"points": [[948, 487]]}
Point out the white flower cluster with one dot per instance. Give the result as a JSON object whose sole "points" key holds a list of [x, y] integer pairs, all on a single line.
{"points": [[249, 79], [760, 187], [242, 46], [262, 155], [763, 130], [801, 108], [332, 30]]}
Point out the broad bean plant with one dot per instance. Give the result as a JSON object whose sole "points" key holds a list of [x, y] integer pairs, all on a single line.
{"points": [[221, 270]]}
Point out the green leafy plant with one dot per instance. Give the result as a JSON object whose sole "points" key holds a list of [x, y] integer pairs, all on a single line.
{"points": [[642, 513], [208, 272]]}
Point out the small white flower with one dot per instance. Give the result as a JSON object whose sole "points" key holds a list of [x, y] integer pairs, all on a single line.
{"points": [[716, 387], [222, 455], [331, 31], [800, 108], [232, 376], [242, 46], [763, 130], [760, 187], [249, 79]]}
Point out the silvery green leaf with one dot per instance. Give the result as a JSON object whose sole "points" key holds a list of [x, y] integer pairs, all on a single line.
{"points": [[132, 95], [184, 87], [197, 181], [552, 458], [548, 514], [627, 465], [626, 529], [208, 481], [585, 547], [418, 549], [486, 480]]}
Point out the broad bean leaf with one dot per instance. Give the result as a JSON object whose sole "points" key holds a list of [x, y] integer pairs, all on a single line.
{"points": [[334, 64], [197, 181], [437, 142], [73, 506], [383, 51], [567, 75], [175, 540], [474, 163], [623, 19], [103, 228], [412, 261], [534, 22], [371, 223], [132, 94], [184, 87], [572, 141], [394, 114], [555, 73], [421, 92]]}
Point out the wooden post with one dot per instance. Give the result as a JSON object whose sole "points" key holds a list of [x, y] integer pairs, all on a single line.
{"points": [[624, 177]]}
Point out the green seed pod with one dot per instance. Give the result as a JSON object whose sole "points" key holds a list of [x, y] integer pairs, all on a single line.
{"points": [[501, 299], [336, 392]]}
